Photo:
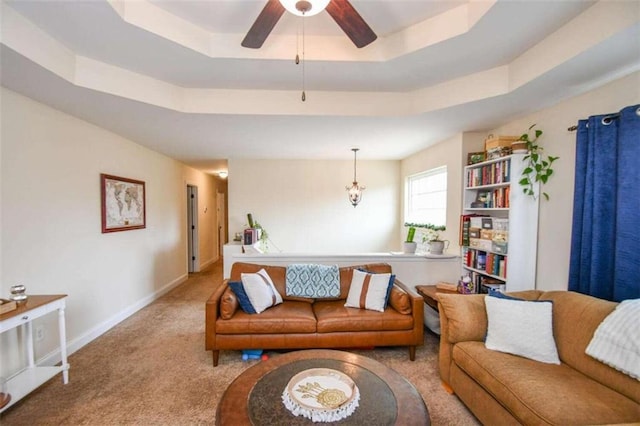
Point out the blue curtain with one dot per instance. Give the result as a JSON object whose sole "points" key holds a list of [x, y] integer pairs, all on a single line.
{"points": [[605, 240]]}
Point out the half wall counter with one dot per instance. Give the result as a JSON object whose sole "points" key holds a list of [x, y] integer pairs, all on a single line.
{"points": [[411, 269]]}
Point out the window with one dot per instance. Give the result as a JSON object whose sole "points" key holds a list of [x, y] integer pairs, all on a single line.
{"points": [[426, 197]]}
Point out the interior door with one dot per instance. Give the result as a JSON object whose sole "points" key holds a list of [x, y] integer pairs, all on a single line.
{"points": [[192, 228], [222, 222]]}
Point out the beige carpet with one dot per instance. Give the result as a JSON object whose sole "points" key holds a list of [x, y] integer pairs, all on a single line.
{"points": [[152, 369]]}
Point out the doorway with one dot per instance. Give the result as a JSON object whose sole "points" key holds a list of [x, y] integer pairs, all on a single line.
{"points": [[192, 229], [222, 221]]}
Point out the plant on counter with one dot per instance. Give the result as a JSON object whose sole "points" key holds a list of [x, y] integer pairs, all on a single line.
{"points": [[411, 233], [430, 232], [537, 165]]}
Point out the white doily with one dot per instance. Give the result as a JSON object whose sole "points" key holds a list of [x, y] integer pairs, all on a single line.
{"points": [[321, 395]]}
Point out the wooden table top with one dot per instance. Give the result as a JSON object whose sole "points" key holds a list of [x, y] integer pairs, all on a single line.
{"points": [[32, 302], [233, 408]]}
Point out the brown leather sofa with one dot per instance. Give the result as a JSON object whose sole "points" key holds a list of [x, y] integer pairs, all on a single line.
{"points": [[504, 389], [303, 323]]}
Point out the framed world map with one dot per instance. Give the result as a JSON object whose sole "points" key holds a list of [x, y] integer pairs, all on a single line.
{"points": [[123, 203]]}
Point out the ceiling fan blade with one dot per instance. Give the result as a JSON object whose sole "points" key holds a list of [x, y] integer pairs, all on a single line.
{"points": [[351, 22], [263, 25]]}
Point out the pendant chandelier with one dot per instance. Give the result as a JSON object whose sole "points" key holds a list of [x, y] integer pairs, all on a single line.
{"points": [[355, 190]]}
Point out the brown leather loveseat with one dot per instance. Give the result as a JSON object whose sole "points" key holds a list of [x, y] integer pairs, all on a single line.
{"points": [[303, 323]]}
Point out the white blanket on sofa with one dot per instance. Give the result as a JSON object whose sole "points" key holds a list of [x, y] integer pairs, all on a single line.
{"points": [[616, 341]]}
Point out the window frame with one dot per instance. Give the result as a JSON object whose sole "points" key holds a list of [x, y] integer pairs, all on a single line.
{"points": [[407, 194]]}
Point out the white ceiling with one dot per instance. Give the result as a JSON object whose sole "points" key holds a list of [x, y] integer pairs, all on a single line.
{"points": [[171, 75]]}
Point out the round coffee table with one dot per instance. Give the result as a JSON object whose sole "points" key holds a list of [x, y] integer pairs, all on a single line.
{"points": [[386, 398]]}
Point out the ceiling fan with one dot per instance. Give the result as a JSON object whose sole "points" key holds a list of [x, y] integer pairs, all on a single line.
{"points": [[340, 10]]}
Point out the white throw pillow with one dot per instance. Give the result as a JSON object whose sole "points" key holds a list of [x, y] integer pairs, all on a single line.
{"points": [[368, 291], [521, 327], [260, 290]]}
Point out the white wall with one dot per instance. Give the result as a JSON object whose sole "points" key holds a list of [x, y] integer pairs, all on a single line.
{"points": [[51, 223], [303, 204], [554, 239], [554, 229], [451, 153]]}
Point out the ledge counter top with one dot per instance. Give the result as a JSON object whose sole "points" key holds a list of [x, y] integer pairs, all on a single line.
{"points": [[411, 269]]}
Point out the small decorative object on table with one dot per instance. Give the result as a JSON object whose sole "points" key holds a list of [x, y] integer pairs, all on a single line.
{"points": [[466, 285], [18, 293], [7, 306], [321, 395]]}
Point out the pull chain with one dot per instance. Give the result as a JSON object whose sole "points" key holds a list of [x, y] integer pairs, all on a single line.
{"points": [[298, 45], [304, 95]]}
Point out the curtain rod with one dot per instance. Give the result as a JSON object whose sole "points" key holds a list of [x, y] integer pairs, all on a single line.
{"points": [[606, 121]]}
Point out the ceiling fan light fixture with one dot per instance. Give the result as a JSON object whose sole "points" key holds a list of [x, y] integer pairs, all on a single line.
{"points": [[305, 7]]}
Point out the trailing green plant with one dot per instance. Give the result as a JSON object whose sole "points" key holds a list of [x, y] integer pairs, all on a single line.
{"points": [[537, 164], [430, 233]]}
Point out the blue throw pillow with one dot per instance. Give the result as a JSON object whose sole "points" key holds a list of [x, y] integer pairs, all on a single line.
{"points": [[243, 299], [501, 295]]}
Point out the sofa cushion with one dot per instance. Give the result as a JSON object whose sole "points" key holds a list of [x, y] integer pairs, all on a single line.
{"points": [[521, 327], [285, 318], [260, 290], [575, 318], [369, 291], [616, 341], [400, 300], [346, 275], [277, 274], [241, 296], [228, 304], [539, 393], [466, 314], [333, 316]]}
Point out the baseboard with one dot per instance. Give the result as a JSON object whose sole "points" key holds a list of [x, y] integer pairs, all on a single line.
{"points": [[54, 357], [208, 263]]}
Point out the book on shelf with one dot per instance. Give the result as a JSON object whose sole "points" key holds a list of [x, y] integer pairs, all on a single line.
{"points": [[490, 174], [465, 224]]}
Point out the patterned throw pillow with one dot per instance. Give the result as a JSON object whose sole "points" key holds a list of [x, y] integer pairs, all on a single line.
{"points": [[521, 327], [260, 290], [313, 281], [368, 291]]}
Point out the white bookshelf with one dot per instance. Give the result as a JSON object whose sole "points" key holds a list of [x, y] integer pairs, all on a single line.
{"points": [[522, 213]]}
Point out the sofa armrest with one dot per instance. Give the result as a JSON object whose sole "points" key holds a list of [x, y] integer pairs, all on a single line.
{"points": [[212, 315], [417, 311], [462, 318]]}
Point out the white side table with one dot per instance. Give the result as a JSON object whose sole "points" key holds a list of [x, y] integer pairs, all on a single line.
{"points": [[23, 382]]}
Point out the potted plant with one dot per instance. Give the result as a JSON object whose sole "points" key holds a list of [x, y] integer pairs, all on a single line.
{"points": [[409, 246], [430, 236], [537, 165]]}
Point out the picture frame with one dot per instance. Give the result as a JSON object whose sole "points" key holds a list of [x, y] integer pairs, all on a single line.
{"points": [[475, 157], [123, 203]]}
